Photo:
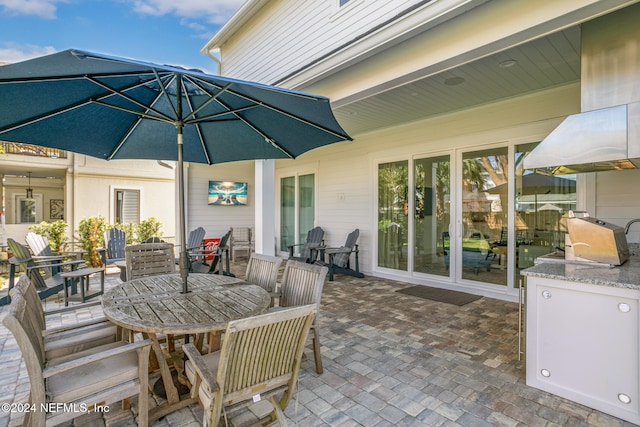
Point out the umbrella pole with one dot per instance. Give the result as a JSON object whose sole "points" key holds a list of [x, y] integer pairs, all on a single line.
{"points": [[184, 259]]}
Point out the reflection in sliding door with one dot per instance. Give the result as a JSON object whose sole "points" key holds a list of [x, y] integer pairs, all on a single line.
{"points": [[432, 215], [392, 215], [484, 214]]}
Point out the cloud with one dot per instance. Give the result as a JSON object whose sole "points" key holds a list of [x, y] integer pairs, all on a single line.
{"points": [[214, 11], [42, 8], [10, 53]]}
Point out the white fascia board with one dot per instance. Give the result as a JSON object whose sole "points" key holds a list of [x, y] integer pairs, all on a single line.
{"points": [[246, 11]]}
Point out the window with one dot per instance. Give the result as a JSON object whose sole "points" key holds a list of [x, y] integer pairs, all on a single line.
{"points": [[28, 211], [127, 206], [342, 2]]}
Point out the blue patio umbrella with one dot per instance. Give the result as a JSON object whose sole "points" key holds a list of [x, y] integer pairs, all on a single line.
{"points": [[117, 108]]}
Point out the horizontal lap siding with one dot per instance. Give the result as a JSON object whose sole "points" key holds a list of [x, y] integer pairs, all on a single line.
{"points": [[216, 220], [290, 34]]}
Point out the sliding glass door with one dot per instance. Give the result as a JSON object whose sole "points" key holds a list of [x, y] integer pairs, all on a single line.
{"points": [[432, 207], [297, 209], [484, 184]]}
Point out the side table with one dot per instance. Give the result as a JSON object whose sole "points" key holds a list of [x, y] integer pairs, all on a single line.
{"points": [[83, 275]]}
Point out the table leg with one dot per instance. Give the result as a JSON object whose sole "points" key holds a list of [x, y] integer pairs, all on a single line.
{"points": [[165, 372]]}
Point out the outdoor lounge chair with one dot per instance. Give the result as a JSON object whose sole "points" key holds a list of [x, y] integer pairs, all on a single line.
{"points": [[199, 262], [309, 249], [45, 286], [302, 284], [101, 375], [114, 241], [41, 249], [340, 258], [259, 359]]}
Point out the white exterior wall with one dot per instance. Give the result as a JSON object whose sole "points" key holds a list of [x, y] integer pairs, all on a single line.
{"points": [[347, 171], [285, 37], [616, 199], [216, 220], [87, 189]]}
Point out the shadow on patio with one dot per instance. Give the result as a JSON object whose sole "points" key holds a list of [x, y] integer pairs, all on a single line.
{"points": [[389, 359]]}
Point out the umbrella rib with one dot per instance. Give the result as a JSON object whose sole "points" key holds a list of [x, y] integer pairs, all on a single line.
{"points": [[136, 113], [36, 119], [128, 98], [202, 144], [212, 97], [283, 112], [164, 91], [123, 139], [212, 117]]}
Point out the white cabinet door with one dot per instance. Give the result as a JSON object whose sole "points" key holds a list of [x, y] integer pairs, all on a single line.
{"points": [[583, 344]]}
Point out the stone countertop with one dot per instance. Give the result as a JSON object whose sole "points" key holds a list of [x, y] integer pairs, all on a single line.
{"points": [[626, 275]]}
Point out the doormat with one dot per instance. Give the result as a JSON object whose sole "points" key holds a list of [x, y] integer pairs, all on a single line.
{"points": [[440, 295]]}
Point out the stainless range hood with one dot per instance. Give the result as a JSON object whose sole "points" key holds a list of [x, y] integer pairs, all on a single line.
{"points": [[606, 135], [594, 141]]}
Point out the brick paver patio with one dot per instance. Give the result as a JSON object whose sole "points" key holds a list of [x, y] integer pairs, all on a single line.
{"points": [[389, 360]]}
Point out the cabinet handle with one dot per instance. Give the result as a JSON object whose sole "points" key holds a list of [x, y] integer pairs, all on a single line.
{"points": [[546, 294]]}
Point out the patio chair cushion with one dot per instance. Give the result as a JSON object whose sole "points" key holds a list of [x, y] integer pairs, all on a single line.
{"points": [[75, 340], [79, 382]]}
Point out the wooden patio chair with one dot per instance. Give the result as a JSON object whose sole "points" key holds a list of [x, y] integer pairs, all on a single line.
{"points": [[194, 241], [309, 249], [340, 258], [70, 338], [302, 284], [262, 270], [259, 359], [199, 260], [149, 259], [115, 241], [34, 268], [98, 376], [241, 241], [40, 248]]}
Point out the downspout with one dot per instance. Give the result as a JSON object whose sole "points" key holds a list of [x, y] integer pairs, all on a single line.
{"points": [[216, 60]]}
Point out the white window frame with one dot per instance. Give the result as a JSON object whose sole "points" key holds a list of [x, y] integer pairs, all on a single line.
{"points": [[112, 200], [18, 208]]}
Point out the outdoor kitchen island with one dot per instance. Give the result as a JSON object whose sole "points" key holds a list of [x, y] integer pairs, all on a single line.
{"points": [[582, 333]]}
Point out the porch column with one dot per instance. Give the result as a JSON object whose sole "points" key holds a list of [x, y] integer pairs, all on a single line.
{"points": [[265, 215]]}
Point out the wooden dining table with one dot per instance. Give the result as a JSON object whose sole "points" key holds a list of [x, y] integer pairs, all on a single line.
{"points": [[156, 305]]}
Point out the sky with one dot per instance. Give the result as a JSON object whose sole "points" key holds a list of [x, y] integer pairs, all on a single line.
{"points": [[160, 31]]}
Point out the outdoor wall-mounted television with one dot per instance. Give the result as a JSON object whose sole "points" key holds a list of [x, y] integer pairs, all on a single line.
{"points": [[226, 193]]}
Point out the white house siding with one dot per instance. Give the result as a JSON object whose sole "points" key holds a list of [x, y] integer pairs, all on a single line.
{"points": [[94, 180], [346, 172], [288, 35], [216, 220], [617, 199]]}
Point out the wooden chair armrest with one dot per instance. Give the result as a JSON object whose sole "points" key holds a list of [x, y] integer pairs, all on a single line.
{"points": [[53, 331], [70, 309], [200, 366], [46, 258], [56, 264], [63, 367], [333, 251]]}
